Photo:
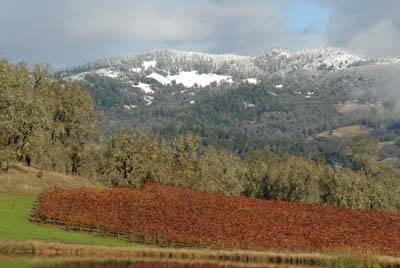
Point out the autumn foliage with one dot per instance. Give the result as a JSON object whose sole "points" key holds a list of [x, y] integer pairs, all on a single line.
{"points": [[144, 264], [216, 220]]}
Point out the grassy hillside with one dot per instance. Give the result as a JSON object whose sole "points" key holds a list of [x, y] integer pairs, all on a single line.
{"points": [[18, 191], [22, 178], [345, 132], [14, 224]]}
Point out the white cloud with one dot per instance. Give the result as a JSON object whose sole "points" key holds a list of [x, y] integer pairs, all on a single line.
{"points": [[131, 20], [380, 39], [75, 31], [366, 26]]}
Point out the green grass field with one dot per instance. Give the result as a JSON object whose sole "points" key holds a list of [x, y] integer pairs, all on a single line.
{"points": [[14, 225], [24, 263], [15, 264]]}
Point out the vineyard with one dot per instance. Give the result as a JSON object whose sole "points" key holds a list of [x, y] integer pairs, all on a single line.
{"points": [[167, 215]]}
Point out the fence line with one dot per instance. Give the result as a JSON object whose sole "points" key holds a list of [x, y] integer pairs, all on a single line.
{"points": [[99, 231]]}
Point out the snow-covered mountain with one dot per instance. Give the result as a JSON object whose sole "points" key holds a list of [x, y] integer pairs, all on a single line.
{"points": [[242, 102], [143, 76], [174, 62]]}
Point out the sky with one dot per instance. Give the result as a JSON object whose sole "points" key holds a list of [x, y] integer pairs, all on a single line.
{"points": [[68, 32]]}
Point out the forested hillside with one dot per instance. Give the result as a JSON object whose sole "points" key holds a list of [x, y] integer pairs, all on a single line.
{"points": [[273, 101], [51, 123]]}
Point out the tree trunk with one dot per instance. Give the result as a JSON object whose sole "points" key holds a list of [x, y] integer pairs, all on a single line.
{"points": [[75, 164], [28, 160], [125, 171]]}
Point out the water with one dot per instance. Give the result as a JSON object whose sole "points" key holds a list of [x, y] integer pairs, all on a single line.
{"points": [[54, 263]]}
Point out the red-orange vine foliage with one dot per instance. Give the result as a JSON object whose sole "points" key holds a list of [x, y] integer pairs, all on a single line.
{"points": [[217, 220]]}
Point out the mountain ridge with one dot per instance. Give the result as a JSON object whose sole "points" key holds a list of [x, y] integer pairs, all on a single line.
{"points": [[113, 61]]}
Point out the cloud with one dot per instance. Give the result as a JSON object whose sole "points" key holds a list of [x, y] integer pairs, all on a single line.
{"points": [[65, 32], [366, 26], [121, 20], [382, 38], [216, 26], [74, 31], [69, 32]]}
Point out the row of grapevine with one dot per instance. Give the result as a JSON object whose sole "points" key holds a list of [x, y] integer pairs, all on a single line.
{"points": [[200, 218], [145, 264]]}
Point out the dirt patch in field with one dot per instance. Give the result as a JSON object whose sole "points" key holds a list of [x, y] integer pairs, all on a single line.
{"points": [[345, 132]]}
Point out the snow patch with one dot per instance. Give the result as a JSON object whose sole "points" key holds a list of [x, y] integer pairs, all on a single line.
{"points": [[147, 64], [135, 70], [279, 86], [108, 72], [250, 81], [144, 87], [148, 99], [192, 102], [128, 107], [158, 77], [192, 78], [248, 104], [189, 79]]}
